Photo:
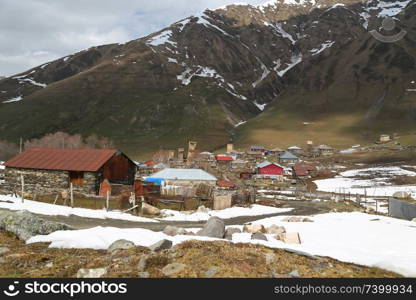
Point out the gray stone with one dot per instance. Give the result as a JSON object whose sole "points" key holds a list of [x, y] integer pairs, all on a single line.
{"points": [[270, 258], [91, 273], [4, 250], [172, 269], [25, 225], [214, 228], [401, 195], [202, 209], [161, 245], [173, 230], [142, 263], [275, 229], [319, 267], [210, 273], [305, 254], [147, 209], [258, 236], [121, 245], [294, 273], [144, 274], [230, 231]]}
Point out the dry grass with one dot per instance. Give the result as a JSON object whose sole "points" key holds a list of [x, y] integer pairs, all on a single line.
{"points": [[229, 260]]}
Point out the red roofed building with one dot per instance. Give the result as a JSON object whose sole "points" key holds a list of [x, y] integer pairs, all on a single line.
{"points": [[226, 184], [304, 170], [268, 168], [53, 170], [224, 159]]}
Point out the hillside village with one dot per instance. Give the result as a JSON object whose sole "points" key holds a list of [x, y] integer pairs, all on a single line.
{"points": [[255, 196]]}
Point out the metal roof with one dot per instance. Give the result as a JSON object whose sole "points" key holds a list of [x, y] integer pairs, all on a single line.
{"points": [[183, 174], [89, 160], [257, 147], [267, 163], [288, 155]]}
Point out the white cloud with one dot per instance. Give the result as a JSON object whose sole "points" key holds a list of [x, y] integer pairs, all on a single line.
{"points": [[35, 31]]}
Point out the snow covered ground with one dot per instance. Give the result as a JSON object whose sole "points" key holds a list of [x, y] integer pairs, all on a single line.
{"points": [[59, 210], [228, 213], [358, 238], [370, 181], [170, 215]]}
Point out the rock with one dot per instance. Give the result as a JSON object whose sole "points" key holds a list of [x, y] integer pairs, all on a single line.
{"points": [[121, 244], [270, 258], [49, 265], [142, 263], [258, 236], [294, 273], [147, 209], [254, 228], [275, 229], [144, 274], [203, 209], [319, 267], [91, 273], [401, 195], [230, 231], [173, 230], [210, 273], [305, 254], [296, 219], [25, 225], [172, 269], [289, 237], [414, 220], [4, 250], [161, 245], [214, 228]]}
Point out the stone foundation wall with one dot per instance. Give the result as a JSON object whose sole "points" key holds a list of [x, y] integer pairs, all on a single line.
{"points": [[45, 181]]}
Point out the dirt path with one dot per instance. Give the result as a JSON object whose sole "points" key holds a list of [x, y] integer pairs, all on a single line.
{"points": [[300, 208]]}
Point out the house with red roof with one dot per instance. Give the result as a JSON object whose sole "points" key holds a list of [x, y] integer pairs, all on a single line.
{"points": [[51, 170]]}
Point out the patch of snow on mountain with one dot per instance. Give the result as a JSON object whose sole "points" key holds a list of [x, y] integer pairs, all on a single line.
{"points": [[204, 21], [161, 38], [260, 106], [240, 123], [279, 29], [389, 9], [324, 46], [16, 99], [296, 59], [265, 73], [31, 81], [365, 16]]}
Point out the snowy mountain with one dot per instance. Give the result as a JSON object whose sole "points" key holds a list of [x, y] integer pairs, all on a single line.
{"points": [[202, 76]]}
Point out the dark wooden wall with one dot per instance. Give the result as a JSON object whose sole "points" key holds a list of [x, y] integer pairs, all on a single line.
{"points": [[119, 169]]}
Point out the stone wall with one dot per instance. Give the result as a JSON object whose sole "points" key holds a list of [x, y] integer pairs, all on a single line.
{"points": [[45, 181]]}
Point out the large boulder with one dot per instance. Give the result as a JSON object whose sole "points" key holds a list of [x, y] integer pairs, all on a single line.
{"points": [[289, 237], [161, 245], [121, 245], [26, 225], [275, 229], [401, 195], [214, 228], [147, 209], [230, 231], [258, 236], [173, 269], [254, 228], [173, 230]]}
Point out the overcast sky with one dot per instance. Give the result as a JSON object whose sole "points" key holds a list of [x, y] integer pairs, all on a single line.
{"points": [[36, 31]]}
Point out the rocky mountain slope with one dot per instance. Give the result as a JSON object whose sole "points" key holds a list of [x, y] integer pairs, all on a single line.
{"points": [[276, 66]]}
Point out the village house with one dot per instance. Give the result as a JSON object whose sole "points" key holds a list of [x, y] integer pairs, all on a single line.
{"points": [[325, 150], [294, 149], [268, 169], [224, 160], [184, 177], [288, 158], [50, 170], [256, 148], [385, 138], [304, 171]]}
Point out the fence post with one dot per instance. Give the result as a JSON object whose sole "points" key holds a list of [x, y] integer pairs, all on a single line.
{"points": [[72, 194], [23, 187], [107, 202]]}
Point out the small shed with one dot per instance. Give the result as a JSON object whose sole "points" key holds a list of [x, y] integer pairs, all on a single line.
{"points": [[288, 158], [184, 177], [256, 148], [303, 171], [48, 170], [325, 150], [294, 149]]}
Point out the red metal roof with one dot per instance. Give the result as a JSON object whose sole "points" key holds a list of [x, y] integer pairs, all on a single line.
{"points": [[303, 170], [61, 159], [223, 158], [225, 183]]}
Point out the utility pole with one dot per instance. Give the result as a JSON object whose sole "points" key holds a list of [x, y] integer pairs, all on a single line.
{"points": [[21, 145]]}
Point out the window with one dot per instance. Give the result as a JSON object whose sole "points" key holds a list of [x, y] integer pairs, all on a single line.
{"points": [[76, 178]]}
